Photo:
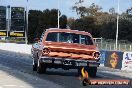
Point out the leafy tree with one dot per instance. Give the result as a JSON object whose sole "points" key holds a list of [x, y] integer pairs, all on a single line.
{"points": [[102, 24], [108, 30], [54, 18], [63, 21], [80, 10], [112, 11], [34, 16], [92, 10], [129, 11], [41, 20], [125, 27], [86, 24], [70, 22]]}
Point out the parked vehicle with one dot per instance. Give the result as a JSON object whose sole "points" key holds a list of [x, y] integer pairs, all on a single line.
{"points": [[66, 49]]}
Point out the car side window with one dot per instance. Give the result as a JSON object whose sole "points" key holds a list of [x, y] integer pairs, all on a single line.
{"points": [[86, 40], [76, 38], [52, 37]]}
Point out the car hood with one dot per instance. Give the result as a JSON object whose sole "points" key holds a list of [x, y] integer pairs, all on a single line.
{"points": [[71, 48]]}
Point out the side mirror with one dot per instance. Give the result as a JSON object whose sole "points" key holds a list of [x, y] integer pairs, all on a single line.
{"points": [[36, 46]]}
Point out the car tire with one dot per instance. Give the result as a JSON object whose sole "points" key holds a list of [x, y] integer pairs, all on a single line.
{"points": [[41, 68], [79, 72], [92, 71], [34, 65]]}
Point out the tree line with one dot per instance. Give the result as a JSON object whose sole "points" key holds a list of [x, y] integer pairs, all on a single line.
{"points": [[91, 19], [102, 24], [41, 20]]}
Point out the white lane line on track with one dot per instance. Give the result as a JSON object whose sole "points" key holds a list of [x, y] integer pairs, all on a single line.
{"points": [[9, 85], [18, 86]]}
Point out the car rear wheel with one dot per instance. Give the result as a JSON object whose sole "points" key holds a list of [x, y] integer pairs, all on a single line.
{"points": [[41, 68]]}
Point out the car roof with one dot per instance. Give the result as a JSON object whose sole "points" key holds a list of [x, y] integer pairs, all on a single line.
{"points": [[68, 31]]}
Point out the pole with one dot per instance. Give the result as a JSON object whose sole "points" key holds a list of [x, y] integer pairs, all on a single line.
{"points": [[8, 25], [9, 21], [58, 15], [26, 31], [117, 26]]}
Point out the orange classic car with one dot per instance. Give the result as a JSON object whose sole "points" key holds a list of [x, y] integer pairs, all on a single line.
{"points": [[67, 49]]}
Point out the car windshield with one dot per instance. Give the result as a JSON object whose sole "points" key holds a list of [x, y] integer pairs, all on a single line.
{"points": [[69, 38]]}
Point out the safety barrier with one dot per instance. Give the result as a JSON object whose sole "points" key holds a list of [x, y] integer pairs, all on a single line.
{"points": [[103, 56], [116, 59], [127, 61]]}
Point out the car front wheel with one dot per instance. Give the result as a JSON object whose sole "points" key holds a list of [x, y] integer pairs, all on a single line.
{"points": [[41, 68], [34, 66], [92, 71]]}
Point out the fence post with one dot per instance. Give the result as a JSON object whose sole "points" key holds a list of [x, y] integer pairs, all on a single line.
{"points": [[97, 45], [101, 42], [110, 47], [130, 47], [114, 46], [106, 46], [119, 47], [125, 48]]}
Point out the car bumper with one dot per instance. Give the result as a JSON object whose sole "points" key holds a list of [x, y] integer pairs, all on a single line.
{"points": [[69, 62]]}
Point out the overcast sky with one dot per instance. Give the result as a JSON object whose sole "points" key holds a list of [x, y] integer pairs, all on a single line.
{"points": [[65, 5]]}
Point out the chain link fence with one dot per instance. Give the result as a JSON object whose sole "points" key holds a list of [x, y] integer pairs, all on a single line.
{"points": [[111, 45]]}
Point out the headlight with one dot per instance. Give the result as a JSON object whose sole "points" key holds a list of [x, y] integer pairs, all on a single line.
{"points": [[96, 55], [46, 51]]}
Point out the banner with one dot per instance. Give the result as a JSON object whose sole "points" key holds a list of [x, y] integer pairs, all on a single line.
{"points": [[17, 34], [127, 61], [3, 31], [114, 59], [102, 57], [17, 22], [17, 19], [107, 82]]}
